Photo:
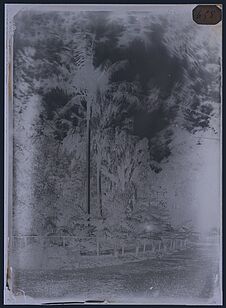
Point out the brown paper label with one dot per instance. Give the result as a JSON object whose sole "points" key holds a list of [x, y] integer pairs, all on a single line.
{"points": [[207, 14]]}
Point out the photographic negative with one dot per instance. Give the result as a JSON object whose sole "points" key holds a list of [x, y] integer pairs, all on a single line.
{"points": [[113, 155]]}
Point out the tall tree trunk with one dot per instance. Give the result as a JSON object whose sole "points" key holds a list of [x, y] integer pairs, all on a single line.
{"points": [[88, 166], [101, 205], [99, 192]]}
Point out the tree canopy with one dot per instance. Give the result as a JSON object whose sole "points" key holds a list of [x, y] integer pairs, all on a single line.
{"points": [[108, 92]]}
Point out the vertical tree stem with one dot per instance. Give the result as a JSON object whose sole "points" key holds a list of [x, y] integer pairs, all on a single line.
{"points": [[88, 170]]}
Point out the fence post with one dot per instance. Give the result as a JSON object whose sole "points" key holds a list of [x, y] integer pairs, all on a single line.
{"points": [[79, 246], [174, 244], [152, 246], [164, 245], [98, 248], [171, 244], [144, 248], [137, 249], [159, 246], [123, 249], [115, 251]]}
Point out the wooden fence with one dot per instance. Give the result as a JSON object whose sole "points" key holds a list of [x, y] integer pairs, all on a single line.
{"points": [[102, 246]]}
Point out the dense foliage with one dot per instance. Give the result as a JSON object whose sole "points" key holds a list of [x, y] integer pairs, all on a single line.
{"points": [[96, 99]]}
